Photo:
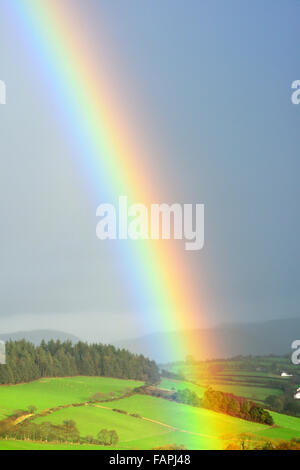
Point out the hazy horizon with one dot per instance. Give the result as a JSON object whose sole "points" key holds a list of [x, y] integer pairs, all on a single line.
{"points": [[77, 332]]}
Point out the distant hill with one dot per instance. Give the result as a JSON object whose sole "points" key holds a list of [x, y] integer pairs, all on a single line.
{"points": [[224, 341], [36, 336]]}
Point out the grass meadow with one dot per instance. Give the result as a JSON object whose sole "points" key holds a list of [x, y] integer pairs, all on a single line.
{"points": [[158, 422], [48, 393]]}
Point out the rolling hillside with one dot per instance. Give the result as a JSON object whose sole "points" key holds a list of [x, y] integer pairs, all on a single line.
{"points": [[141, 422]]}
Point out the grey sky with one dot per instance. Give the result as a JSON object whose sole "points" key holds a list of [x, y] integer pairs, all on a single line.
{"points": [[211, 85]]}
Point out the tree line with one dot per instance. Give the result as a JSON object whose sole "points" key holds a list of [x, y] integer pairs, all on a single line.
{"points": [[236, 406], [67, 432], [26, 362]]}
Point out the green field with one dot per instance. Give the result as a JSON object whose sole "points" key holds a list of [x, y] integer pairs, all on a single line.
{"points": [[25, 445], [48, 393], [181, 385], [249, 391], [165, 423], [285, 428], [208, 424], [196, 428], [91, 419], [161, 422], [254, 378]]}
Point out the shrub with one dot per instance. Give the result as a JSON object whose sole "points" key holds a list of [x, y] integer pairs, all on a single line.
{"points": [[107, 438]]}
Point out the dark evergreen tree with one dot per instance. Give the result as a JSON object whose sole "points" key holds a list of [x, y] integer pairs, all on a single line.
{"points": [[25, 362]]}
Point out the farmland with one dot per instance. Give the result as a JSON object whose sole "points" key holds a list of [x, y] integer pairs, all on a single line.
{"points": [[146, 422], [254, 378], [51, 392], [160, 422]]}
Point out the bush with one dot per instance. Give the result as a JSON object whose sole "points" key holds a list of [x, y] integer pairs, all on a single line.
{"points": [[120, 411], [135, 415], [187, 397], [107, 438]]}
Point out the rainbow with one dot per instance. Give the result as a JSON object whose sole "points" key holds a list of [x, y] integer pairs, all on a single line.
{"points": [[109, 156]]}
